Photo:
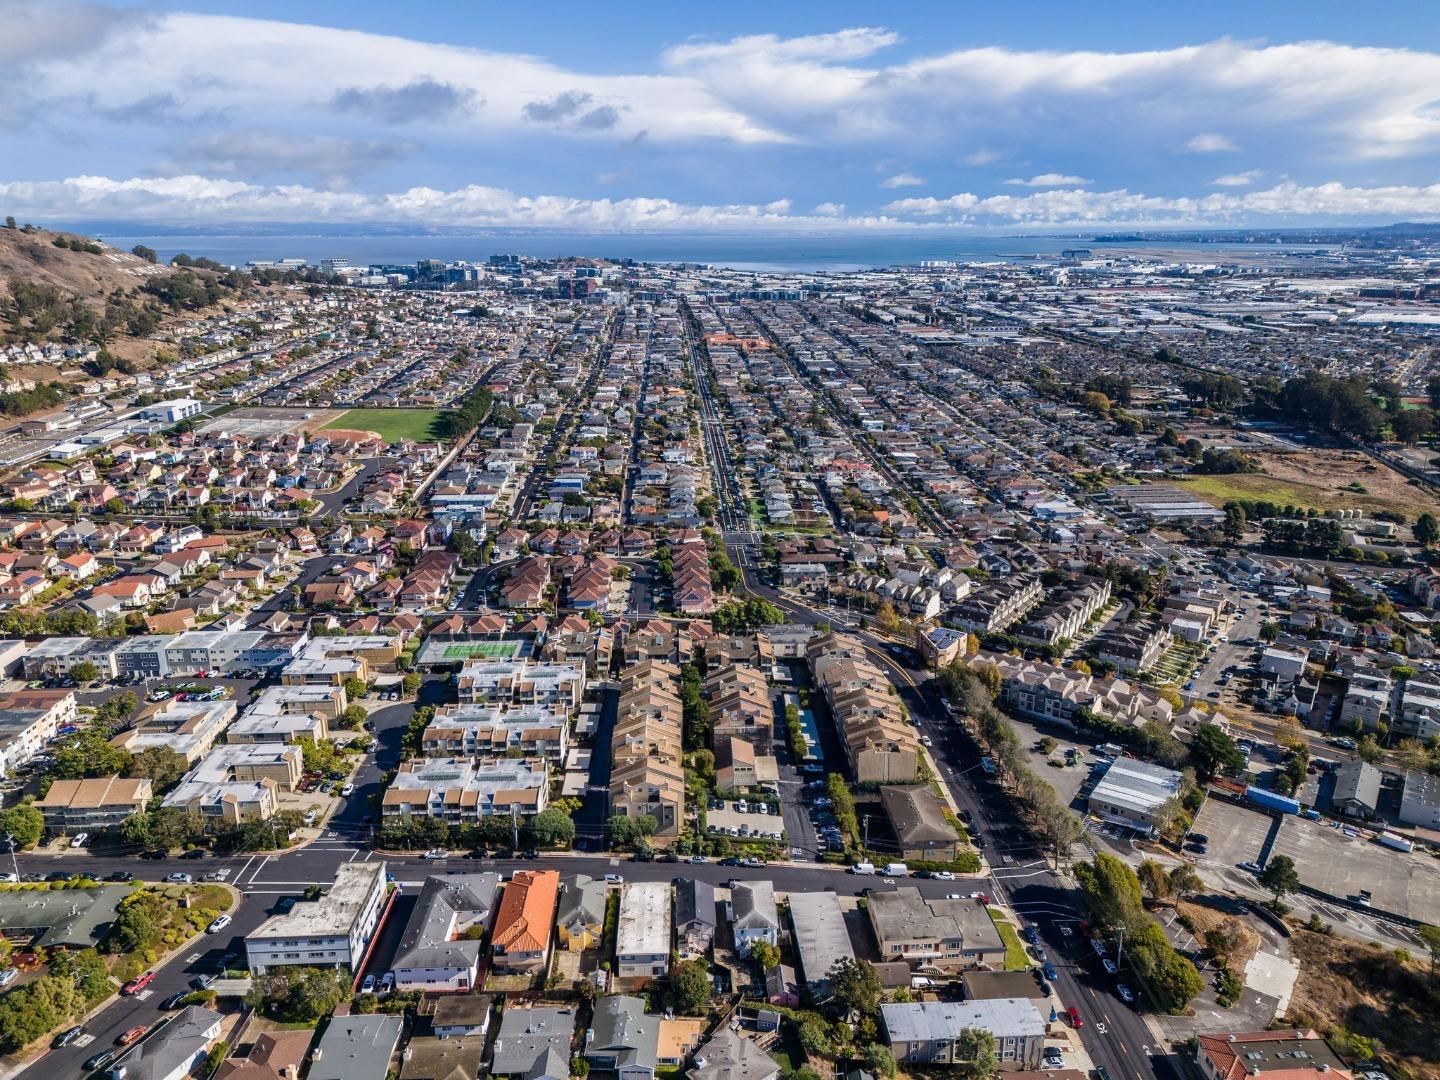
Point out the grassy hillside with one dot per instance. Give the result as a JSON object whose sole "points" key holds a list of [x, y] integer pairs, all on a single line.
{"points": [[74, 290]]}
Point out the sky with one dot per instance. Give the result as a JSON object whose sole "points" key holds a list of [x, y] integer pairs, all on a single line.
{"points": [[746, 117]]}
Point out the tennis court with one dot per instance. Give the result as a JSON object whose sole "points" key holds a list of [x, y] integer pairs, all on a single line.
{"points": [[439, 651]]}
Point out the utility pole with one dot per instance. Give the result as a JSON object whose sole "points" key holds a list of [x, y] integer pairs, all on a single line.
{"points": [[1120, 947], [515, 826], [14, 866]]}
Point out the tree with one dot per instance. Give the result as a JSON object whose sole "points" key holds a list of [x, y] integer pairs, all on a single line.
{"points": [[24, 823], [1269, 631], [1412, 425], [1214, 752], [352, 718], [1184, 881], [880, 1060], [84, 672], [354, 688], [1234, 528], [163, 766], [856, 986], [552, 827], [297, 995], [1279, 876], [88, 755], [690, 985], [1112, 891], [1369, 750], [1154, 880], [1430, 935], [975, 1051], [147, 253], [1427, 530], [627, 831], [410, 684], [139, 922], [765, 955]]}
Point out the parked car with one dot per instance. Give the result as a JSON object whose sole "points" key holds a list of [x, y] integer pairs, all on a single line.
{"points": [[133, 1035], [179, 879], [79, 840], [121, 876], [387, 982], [348, 789], [367, 985], [434, 854], [614, 879], [98, 1061], [1074, 1016], [1126, 994], [220, 923], [8, 976], [203, 980], [173, 1001]]}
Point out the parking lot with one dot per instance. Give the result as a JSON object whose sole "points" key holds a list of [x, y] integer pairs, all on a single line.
{"points": [[1067, 780], [1326, 859], [1403, 883], [768, 826], [1236, 834]]}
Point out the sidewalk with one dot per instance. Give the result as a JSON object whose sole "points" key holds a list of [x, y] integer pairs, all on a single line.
{"points": [[11, 1067]]}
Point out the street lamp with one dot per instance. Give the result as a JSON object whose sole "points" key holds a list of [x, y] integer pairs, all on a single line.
{"points": [[14, 866]]}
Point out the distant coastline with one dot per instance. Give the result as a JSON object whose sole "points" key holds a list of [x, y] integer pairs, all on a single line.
{"points": [[763, 253]]}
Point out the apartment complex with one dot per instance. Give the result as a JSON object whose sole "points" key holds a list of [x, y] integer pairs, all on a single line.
{"points": [[647, 774], [933, 934], [880, 745], [333, 931]]}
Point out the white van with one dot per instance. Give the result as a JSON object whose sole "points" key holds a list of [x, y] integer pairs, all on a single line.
{"points": [[897, 869], [863, 868]]}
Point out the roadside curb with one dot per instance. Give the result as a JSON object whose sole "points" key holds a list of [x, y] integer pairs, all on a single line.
{"points": [[236, 896]]}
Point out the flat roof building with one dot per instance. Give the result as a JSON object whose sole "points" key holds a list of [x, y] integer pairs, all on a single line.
{"points": [[1134, 793], [642, 943], [821, 938], [333, 931], [930, 1032]]}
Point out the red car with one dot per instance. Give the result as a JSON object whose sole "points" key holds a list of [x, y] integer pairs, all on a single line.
{"points": [[135, 985], [134, 1035], [1074, 1015]]}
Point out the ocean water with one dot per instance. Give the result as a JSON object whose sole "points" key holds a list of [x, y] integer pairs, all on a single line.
{"points": [[760, 253]]}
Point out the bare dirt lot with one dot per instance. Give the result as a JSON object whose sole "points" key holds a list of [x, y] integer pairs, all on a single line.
{"points": [[1323, 479], [1357, 994], [261, 421]]}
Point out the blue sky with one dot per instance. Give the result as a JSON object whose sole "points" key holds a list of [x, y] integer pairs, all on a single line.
{"points": [[836, 116]]}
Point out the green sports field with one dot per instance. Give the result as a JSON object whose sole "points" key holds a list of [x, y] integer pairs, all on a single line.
{"points": [[490, 650], [391, 424]]}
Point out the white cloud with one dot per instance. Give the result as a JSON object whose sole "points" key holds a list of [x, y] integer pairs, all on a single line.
{"points": [[1240, 179], [1331, 202], [197, 199], [275, 72], [1318, 100], [191, 199], [1211, 142], [903, 179], [1049, 179]]}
